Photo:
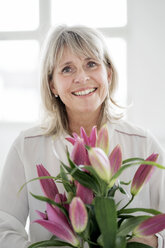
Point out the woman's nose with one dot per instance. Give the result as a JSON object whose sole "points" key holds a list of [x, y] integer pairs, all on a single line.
{"points": [[81, 76]]}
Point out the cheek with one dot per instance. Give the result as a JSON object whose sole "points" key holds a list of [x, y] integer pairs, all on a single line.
{"points": [[104, 81], [62, 87], [104, 84]]}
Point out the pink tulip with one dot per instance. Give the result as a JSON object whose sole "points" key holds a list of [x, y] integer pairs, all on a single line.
{"points": [[57, 223], [89, 141], [150, 226], [143, 174], [84, 193], [48, 185], [100, 163], [61, 198], [115, 159], [79, 154], [78, 215], [73, 139], [103, 139]]}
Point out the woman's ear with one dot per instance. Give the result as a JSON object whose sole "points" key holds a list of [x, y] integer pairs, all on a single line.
{"points": [[52, 87], [109, 74]]}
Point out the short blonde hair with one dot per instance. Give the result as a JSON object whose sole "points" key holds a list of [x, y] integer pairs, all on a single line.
{"points": [[82, 41]]}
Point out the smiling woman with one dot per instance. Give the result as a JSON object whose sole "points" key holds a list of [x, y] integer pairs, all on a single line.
{"points": [[78, 82], [81, 74], [81, 84]]}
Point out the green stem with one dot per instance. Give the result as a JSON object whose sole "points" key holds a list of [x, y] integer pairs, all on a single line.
{"points": [[82, 243], [127, 203]]}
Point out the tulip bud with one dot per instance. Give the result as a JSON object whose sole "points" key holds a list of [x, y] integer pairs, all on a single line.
{"points": [[115, 159], [84, 193], [48, 185], [78, 215], [57, 223], [143, 174], [79, 154], [150, 226], [103, 139], [100, 163]]}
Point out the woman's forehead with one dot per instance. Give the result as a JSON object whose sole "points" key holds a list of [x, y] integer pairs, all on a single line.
{"points": [[68, 54]]}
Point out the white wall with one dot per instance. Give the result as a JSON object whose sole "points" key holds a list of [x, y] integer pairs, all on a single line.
{"points": [[8, 133], [146, 72], [146, 64]]}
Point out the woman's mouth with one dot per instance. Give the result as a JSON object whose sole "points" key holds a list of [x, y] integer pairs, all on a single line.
{"points": [[84, 92]]}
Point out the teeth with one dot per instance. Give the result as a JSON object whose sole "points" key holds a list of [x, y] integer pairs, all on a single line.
{"points": [[84, 92]]}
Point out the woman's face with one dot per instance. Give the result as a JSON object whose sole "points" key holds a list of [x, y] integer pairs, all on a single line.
{"points": [[80, 82]]}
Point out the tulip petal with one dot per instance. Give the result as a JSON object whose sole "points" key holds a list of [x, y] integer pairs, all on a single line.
{"points": [[89, 141], [63, 200], [93, 137], [78, 215], [84, 136], [60, 230], [150, 226], [79, 154], [71, 140], [115, 159], [75, 135], [56, 215], [143, 174], [42, 215], [84, 193], [100, 163], [103, 139], [48, 185]]}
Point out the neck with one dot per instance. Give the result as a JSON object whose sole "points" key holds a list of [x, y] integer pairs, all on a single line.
{"points": [[85, 120]]}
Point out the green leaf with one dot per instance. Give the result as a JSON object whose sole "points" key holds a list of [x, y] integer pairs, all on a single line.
{"points": [[92, 231], [71, 163], [102, 184], [129, 224], [84, 178], [91, 170], [106, 217], [51, 243], [45, 199], [133, 210], [122, 190], [65, 181], [137, 245], [132, 159], [126, 166], [125, 183], [112, 190], [120, 242], [38, 178]]}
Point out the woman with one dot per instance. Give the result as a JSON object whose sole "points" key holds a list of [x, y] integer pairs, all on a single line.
{"points": [[78, 81]]}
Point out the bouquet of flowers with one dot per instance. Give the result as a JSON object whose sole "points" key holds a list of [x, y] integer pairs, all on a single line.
{"points": [[87, 215]]}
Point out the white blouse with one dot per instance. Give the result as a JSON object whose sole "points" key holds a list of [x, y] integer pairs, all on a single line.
{"points": [[32, 148]]}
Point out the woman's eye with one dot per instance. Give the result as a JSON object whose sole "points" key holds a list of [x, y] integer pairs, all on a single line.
{"points": [[91, 64], [66, 69]]}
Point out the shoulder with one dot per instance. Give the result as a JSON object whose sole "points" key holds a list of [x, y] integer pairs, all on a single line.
{"points": [[33, 132], [135, 141], [128, 129], [29, 136]]}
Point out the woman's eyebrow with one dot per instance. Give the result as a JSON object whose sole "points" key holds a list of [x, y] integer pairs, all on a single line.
{"points": [[70, 62], [91, 58], [88, 58], [66, 63]]}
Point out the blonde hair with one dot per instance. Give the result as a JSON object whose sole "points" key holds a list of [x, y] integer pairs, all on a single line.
{"points": [[82, 41]]}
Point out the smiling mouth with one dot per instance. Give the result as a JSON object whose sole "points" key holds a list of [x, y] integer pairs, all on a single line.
{"points": [[84, 92]]}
